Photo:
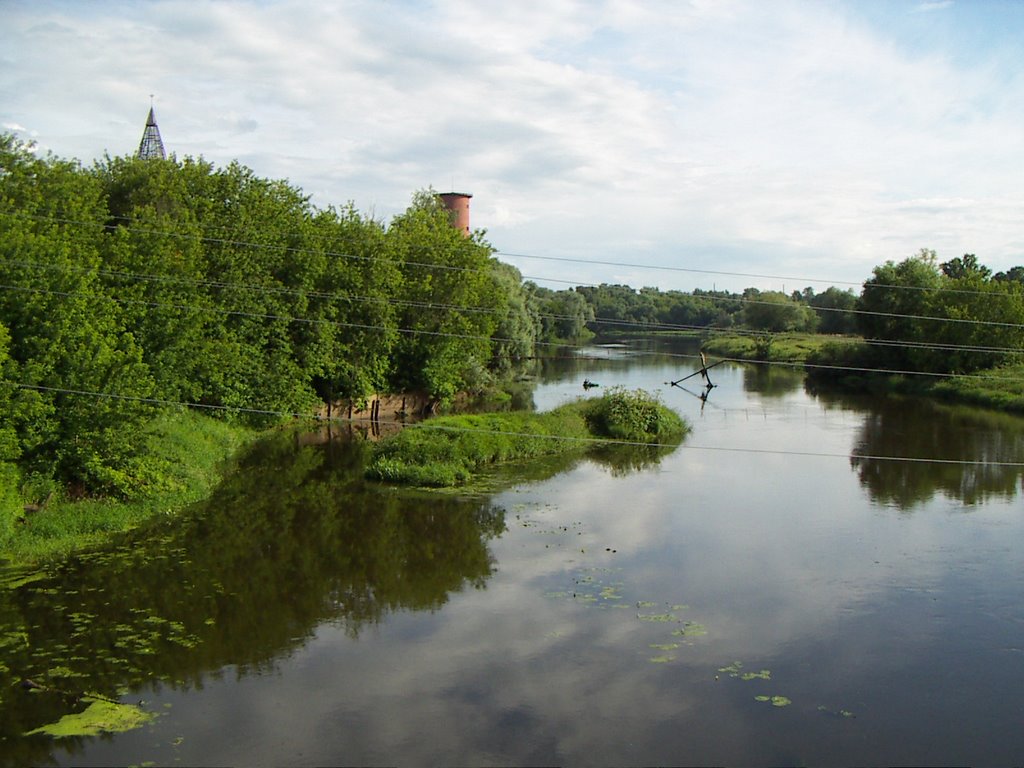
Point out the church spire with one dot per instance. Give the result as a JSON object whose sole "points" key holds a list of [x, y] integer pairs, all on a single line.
{"points": [[151, 147]]}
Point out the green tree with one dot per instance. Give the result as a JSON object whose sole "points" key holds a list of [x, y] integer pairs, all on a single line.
{"points": [[80, 366], [966, 267], [10, 474], [349, 350], [983, 317], [894, 307], [154, 262], [446, 299], [564, 315], [519, 324], [834, 308], [775, 312]]}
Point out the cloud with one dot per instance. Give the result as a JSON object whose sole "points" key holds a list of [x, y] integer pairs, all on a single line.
{"points": [[937, 5], [783, 136]]}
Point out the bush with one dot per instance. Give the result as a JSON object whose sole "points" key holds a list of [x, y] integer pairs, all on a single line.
{"points": [[636, 416]]}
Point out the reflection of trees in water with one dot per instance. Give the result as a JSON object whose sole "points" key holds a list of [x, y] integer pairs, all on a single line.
{"points": [[291, 539], [612, 355], [772, 380], [622, 460], [924, 429]]}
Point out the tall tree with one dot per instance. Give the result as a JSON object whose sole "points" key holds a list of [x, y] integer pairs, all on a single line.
{"points": [[446, 297], [82, 368]]}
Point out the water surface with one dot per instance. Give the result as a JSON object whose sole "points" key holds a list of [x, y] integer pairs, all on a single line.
{"points": [[774, 592]]}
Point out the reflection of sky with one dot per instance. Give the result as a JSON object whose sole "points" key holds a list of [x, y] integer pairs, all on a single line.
{"points": [[911, 621]]}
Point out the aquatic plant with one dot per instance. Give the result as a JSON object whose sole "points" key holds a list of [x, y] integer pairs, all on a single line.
{"points": [[101, 716]]}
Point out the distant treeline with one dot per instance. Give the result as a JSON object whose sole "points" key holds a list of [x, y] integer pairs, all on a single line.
{"points": [[130, 285]]}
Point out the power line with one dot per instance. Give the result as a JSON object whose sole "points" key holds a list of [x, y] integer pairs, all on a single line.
{"points": [[564, 438], [653, 267], [478, 337], [650, 326], [434, 265]]}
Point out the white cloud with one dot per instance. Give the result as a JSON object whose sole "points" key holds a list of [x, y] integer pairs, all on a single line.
{"points": [[754, 137]]}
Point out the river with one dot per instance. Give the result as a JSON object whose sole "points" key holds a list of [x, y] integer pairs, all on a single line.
{"points": [[776, 591]]}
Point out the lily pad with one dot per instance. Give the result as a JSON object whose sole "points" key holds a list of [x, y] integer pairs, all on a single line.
{"points": [[776, 701], [691, 629], [736, 670]]}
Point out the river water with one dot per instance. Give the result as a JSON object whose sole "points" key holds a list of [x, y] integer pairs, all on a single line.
{"points": [[776, 591]]}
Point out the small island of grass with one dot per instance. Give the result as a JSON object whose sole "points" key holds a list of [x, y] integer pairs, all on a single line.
{"points": [[447, 451]]}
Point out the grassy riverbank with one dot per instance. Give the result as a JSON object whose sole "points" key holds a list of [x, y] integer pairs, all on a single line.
{"points": [[1000, 388], [449, 450], [187, 451], [775, 347]]}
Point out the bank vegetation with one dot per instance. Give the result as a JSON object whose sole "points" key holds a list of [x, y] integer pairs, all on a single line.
{"points": [[138, 294]]}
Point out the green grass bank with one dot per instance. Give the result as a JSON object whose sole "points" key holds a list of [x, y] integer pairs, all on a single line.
{"points": [[1000, 388], [187, 452], [447, 451]]}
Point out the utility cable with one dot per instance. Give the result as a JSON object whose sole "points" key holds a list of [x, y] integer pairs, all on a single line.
{"points": [[479, 337], [590, 440], [104, 224], [649, 326]]}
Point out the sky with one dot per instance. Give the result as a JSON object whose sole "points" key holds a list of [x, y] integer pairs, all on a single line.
{"points": [[711, 144]]}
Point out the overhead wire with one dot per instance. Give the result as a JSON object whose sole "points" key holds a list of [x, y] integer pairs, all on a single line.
{"points": [[104, 224], [427, 425], [269, 289], [479, 337], [662, 326], [281, 290]]}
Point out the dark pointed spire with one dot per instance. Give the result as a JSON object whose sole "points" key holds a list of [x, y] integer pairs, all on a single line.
{"points": [[152, 146]]}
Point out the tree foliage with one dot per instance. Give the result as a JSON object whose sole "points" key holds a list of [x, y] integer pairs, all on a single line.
{"points": [[944, 318], [139, 282], [136, 284]]}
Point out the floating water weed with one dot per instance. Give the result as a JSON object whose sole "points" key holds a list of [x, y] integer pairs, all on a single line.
{"points": [[661, 617], [736, 670], [691, 629], [101, 716], [836, 712], [775, 701]]}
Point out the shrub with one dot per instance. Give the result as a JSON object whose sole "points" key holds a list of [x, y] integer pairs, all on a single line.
{"points": [[635, 415]]}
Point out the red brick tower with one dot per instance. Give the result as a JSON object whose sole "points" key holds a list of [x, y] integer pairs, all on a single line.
{"points": [[458, 204]]}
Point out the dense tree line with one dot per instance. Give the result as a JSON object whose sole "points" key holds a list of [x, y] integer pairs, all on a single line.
{"points": [[949, 317], [130, 285], [133, 284], [616, 308]]}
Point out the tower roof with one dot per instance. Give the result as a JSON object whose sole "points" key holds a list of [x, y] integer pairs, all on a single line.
{"points": [[152, 146]]}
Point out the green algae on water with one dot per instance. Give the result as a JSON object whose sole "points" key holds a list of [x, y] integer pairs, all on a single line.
{"points": [[101, 716]]}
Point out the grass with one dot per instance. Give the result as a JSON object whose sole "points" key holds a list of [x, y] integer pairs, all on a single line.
{"points": [[187, 452], [449, 450], [1000, 388], [775, 347]]}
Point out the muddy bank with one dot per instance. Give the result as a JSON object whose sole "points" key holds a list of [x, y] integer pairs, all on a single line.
{"points": [[382, 407]]}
